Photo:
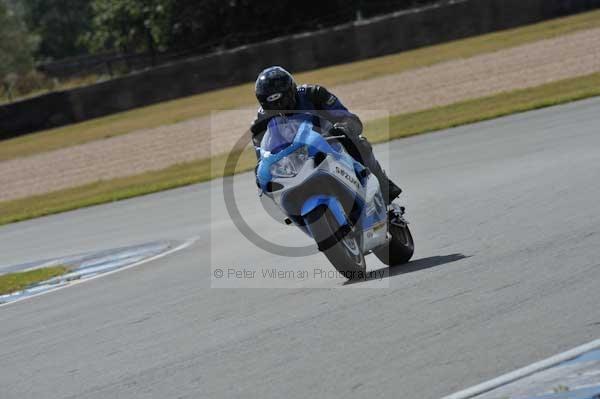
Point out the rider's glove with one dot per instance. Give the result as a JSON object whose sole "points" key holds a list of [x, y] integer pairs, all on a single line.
{"points": [[338, 129]]}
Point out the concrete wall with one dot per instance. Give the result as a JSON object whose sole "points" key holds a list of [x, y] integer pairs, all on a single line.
{"points": [[354, 41]]}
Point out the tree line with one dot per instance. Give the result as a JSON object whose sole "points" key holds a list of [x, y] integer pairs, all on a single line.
{"points": [[37, 31]]}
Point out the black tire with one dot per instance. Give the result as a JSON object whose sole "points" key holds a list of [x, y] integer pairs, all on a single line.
{"points": [[342, 248], [400, 248]]}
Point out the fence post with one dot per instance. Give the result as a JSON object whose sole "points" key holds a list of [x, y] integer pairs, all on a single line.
{"points": [[358, 9]]}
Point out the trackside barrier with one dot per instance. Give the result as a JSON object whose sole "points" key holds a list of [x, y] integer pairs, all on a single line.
{"points": [[374, 37]]}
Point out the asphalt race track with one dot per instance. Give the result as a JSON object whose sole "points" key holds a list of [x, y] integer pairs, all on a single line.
{"points": [[506, 219]]}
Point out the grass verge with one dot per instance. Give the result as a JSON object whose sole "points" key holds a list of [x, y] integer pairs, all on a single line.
{"points": [[13, 282], [199, 105], [486, 108], [399, 126]]}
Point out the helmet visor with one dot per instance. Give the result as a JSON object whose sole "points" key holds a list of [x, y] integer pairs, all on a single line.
{"points": [[277, 101]]}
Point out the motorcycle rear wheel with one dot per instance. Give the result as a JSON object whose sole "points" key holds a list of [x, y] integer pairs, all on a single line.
{"points": [[342, 248], [401, 246]]}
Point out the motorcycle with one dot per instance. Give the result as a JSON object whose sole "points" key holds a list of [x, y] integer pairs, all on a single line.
{"points": [[328, 194]]}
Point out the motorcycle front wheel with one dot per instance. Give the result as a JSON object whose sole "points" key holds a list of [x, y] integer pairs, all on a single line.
{"points": [[342, 247]]}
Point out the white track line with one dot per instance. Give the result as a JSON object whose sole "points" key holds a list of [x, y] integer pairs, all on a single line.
{"points": [[525, 371], [184, 245]]}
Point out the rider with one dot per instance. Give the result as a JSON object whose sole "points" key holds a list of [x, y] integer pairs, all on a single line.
{"points": [[277, 94]]}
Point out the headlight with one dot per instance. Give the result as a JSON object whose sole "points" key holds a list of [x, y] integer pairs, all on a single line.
{"points": [[289, 166]]}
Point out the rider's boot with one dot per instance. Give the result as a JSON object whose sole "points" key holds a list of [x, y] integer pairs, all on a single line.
{"points": [[389, 189], [393, 192]]}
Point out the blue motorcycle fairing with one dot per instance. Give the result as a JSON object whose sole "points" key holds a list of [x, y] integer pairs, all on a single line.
{"points": [[331, 202], [287, 134], [305, 136]]}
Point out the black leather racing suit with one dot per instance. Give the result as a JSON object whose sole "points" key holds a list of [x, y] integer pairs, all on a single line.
{"points": [[318, 101]]}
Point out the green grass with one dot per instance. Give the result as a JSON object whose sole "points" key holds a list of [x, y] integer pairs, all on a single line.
{"points": [[485, 108], [378, 131], [199, 105], [13, 282]]}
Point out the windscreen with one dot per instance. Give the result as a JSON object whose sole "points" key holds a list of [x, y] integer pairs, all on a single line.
{"points": [[281, 131]]}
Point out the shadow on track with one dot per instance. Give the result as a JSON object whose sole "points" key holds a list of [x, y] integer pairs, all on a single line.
{"points": [[412, 266]]}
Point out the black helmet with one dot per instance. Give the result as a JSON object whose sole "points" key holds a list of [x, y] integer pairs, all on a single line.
{"points": [[276, 89]]}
